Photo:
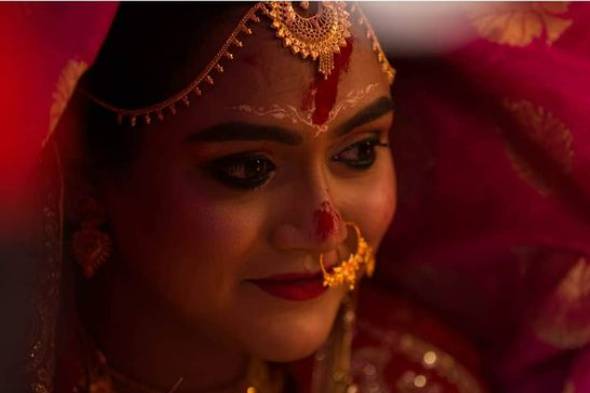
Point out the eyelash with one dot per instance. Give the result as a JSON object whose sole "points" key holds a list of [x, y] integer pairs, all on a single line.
{"points": [[230, 170]]}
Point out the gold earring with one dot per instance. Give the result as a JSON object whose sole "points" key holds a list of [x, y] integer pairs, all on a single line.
{"points": [[91, 246], [348, 271]]}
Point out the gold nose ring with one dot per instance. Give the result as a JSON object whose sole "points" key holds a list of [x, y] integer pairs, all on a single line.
{"points": [[348, 271]]}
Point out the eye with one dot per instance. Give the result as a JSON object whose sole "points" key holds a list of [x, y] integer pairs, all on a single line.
{"points": [[360, 155], [244, 171]]}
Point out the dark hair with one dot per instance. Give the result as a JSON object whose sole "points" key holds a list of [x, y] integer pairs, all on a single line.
{"points": [[151, 52]]}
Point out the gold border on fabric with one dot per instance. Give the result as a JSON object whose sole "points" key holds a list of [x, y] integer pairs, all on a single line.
{"points": [[48, 269]]}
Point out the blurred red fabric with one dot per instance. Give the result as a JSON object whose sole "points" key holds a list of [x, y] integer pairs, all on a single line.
{"points": [[37, 40]]}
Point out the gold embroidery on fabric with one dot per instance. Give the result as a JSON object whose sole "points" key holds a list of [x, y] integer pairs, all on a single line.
{"points": [[40, 362], [296, 116], [368, 369], [569, 388], [564, 321], [415, 382], [548, 132], [433, 359], [518, 24], [65, 86]]}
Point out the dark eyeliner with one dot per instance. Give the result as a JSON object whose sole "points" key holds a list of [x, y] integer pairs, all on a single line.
{"points": [[261, 167], [369, 144]]}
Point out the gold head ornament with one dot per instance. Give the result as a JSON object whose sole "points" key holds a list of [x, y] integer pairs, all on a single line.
{"points": [[316, 37], [348, 271]]}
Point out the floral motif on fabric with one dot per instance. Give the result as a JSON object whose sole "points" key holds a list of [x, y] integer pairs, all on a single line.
{"points": [[565, 322], [548, 134], [64, 89], [518, 24]]}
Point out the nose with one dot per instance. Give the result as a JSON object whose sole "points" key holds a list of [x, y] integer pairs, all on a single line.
{"points": [[313, 222]]}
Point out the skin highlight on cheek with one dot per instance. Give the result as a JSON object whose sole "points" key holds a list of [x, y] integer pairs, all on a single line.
{"points": [[326, 221]]}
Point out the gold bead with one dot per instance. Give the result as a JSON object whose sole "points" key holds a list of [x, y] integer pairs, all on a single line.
{"points": [[429, 358]]}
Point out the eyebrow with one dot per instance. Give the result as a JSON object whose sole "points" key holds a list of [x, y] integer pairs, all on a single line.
{"points": [[373, 111], [243, 131]]}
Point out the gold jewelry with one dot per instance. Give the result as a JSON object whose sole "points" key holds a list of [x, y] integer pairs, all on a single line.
{"points": [[91, 246], [195, 89], [375, 45], [104, 379], [332, 363], [347, 272], [319, 36]]}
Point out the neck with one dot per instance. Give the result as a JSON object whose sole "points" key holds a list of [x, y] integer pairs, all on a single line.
{"points": [[143, 340]]}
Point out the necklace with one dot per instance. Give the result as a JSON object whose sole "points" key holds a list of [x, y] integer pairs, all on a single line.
{"points": [[331, 371], [102, 378]]}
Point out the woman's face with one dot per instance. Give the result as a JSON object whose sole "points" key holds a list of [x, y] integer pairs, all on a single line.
{"points": [[224, 213]]}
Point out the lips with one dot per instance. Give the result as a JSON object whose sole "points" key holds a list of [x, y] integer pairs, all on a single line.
{"points": [[293, 286]]}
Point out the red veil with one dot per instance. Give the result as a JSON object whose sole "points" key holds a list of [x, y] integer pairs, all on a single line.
{"points": [[492, 149]]}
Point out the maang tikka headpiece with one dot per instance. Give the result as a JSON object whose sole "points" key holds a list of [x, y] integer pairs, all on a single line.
{"points": [[317, 38]]}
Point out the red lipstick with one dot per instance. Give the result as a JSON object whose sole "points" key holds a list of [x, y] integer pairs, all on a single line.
{"points": [[293, 286]]}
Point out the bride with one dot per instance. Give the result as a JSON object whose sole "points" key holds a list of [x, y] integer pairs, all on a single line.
{"points": [[227, 181]]}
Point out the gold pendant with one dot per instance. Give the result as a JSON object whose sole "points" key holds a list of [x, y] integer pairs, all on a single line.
{"points": [[319, 36]]}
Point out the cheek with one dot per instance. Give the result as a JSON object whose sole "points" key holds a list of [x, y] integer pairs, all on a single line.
{"points": [[372, 204], [186, 245]]}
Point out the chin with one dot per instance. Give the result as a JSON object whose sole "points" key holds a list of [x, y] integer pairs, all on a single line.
{"points": [[280, 331]]}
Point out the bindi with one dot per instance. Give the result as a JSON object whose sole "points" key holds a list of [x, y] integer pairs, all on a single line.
{"points": [[326, 221]]}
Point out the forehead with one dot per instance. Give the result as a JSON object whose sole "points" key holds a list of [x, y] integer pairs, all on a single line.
{"points": [[265, 73]]}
